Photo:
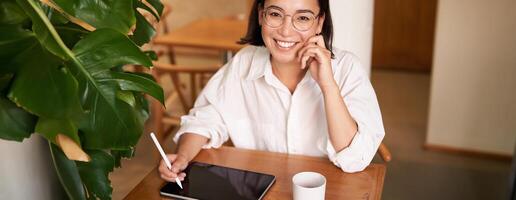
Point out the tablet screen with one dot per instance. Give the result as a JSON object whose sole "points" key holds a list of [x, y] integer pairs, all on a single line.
{"points": [[206, 181]]}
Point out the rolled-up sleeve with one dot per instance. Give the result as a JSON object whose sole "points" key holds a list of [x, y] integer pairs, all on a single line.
{"points": [[204, 119], [360, 99]]}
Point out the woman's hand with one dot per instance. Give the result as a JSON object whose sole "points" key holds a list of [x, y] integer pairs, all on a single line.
{"points": [[179, 163], [317, 58]]}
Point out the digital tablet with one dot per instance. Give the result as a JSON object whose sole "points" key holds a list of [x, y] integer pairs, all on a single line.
{"points": [[206, 181]]}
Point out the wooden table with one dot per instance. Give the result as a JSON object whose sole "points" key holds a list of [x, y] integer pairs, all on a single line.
{"points": [[219, 34], [367, 184]]}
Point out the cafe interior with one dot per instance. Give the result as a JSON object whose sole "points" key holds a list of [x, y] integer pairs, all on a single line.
{"points": [[443, 73], [440, 70]]}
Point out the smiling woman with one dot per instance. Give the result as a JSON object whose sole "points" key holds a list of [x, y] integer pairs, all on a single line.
{"points": [[290, 91]]}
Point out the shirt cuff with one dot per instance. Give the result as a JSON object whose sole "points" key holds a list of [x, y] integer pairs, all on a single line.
{"points": [[353, 158]]}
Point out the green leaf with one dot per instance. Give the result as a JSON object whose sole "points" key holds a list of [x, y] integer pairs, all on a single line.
{"points": [[110, 125], [15, 123], [141, 5], [143, 32], [53, 15], [119, 154], [71, 33], [115, 14], [49, 128], [157, 5], [68, 174], [144, 75], [136, 82], [11, 13], [13, 41], [43, 28], [104, 49], [142, 105], [109, 122], [45, 88], [5, 79], [151, 54], [127, 97], [94, 174]]}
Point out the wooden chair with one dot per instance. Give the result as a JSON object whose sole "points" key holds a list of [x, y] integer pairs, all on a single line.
{"points": [[165, 120], [384, 152]]}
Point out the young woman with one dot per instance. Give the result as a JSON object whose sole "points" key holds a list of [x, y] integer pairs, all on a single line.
{"points": [[288, 92]]}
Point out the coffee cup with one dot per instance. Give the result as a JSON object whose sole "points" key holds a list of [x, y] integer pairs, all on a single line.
{"points": [[308, 186]]}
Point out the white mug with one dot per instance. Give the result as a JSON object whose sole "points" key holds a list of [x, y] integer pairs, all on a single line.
{"points": [[308, 186]]}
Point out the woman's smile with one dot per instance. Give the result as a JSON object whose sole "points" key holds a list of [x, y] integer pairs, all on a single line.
{"points": [[285, 44]]}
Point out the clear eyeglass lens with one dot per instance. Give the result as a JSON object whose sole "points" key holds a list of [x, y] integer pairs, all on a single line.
{"points": [[303, 21], [274, 17]]}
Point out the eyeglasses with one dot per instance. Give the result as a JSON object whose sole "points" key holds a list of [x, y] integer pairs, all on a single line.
{"points": [[301, 21]]}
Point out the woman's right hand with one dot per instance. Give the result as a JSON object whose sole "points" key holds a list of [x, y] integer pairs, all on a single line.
{"points": [[179, 163]]}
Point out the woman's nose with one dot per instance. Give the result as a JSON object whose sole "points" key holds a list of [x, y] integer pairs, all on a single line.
{"points": [[287, 26]]}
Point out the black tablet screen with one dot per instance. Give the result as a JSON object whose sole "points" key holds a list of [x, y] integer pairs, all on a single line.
{"points": [[206, 181]]}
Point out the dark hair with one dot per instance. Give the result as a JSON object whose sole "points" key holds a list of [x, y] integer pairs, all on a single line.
{"points": [[254, 31]]}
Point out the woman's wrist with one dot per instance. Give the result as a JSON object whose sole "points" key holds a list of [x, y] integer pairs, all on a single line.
{"points": [[181, 155], [329, 88]]}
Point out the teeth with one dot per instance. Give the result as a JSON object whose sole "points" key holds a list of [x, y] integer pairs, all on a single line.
{"points": [[285, 44]]}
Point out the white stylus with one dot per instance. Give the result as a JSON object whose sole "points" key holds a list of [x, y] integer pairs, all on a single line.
{"points": [[162, 153]]}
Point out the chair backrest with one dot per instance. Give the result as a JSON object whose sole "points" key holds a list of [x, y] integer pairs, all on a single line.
{"points": [[184, 92], [384, 153]]}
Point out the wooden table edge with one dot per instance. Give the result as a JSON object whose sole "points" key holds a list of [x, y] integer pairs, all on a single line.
{"points": [[382, 168]]}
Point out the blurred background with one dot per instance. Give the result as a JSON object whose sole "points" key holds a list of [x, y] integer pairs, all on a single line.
{"points": [[443, 71]]}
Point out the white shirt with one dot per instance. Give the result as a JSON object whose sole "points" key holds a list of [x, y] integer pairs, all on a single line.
{"points": [[246, 102]]}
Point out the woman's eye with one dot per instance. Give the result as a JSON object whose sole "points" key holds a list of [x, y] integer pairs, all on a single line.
{"points": [[275, 14], [303, 18]]}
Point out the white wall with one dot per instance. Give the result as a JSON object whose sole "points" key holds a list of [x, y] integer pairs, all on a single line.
{"points": [[353, 28], [473, 91], [26, 170]]}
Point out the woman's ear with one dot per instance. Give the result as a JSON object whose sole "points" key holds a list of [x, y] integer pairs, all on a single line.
{"points": [[320, 23]]}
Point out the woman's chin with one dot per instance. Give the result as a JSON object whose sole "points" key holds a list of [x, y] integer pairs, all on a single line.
{"points": [[284, 58]]}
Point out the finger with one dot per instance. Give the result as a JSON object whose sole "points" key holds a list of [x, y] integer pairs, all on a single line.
{"points": [[307, 60], [303, 61], [310, 42], [318, 53], [167, 178], [318, 40], [302, 51], [163, 169], [179, 165], [168, 174]]}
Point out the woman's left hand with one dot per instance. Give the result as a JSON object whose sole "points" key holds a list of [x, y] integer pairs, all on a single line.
{"points": [[318, 58]]}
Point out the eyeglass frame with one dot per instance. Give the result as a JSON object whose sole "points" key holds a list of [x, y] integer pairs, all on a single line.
{"points": [[264, 12]]}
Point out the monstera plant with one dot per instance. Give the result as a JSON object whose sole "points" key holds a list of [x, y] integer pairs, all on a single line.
{"points": [[62, 77]]}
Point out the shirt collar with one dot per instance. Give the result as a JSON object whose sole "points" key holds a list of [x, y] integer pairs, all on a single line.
{"points": [[261, 67], [260, 63]]}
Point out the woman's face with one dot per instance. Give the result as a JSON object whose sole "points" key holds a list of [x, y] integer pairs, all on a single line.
{"points": [[285, 40]]}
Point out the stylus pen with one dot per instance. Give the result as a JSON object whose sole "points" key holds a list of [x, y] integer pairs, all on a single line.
{"points": [[162, 153]]}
